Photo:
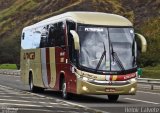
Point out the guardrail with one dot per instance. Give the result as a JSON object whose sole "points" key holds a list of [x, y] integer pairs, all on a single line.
{"points": [[10, 72], [151, 82]]}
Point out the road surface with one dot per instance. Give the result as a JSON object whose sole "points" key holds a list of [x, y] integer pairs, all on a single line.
{"points": [[15, 96]]}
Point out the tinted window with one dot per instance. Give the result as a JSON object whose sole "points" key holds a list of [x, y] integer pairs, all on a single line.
{"points": [[44, 37], [60, 34], [72, 54], [51, 35]]}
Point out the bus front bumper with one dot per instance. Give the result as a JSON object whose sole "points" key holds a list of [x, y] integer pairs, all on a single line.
{"points": [[84, 87]]}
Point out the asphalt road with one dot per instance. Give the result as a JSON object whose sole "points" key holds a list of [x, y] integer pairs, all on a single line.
{"points": [[14, 96]]}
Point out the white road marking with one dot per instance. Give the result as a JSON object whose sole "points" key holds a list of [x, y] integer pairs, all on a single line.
{"points": [[149, 92], [12, 94], [69, 103], [26, 109], [3, 96], [38, 95], [28, 101], [28, 105], [142, 101], [33, 98]]}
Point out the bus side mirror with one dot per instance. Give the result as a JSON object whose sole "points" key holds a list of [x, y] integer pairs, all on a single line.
{"points": [[76, 39], [143, 42]]}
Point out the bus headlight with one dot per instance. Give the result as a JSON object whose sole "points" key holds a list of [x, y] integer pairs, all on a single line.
{"points": [[84, 88], [132, 90]]}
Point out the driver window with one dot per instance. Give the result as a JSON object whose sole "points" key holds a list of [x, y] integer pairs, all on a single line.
{"points": [[71, 26]]}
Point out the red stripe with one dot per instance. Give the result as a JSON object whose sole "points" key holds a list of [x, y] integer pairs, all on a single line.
{"points": [[110, 78], [123, 77], [126, 77], [48, 65]]}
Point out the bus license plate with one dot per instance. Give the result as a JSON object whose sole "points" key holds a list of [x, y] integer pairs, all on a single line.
{"points": [[110, 89]]}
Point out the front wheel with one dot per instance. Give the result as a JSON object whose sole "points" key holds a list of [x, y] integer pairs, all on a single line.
{"points": [[65, 95], [113, 98]]}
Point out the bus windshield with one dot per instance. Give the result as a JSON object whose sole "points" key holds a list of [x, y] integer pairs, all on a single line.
{"points": [[107, 48]]}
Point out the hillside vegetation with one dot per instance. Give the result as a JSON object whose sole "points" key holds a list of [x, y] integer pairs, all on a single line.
{"points": [[16, 14]]}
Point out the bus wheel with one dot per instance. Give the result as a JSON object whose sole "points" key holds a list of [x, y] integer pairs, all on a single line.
{"points": [[113, 98], [64, 90], [31, 86]]}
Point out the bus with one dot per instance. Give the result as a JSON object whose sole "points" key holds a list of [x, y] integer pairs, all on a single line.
{"points": [[81, 53]]}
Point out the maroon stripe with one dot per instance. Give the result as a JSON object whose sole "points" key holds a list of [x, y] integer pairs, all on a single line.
{"points": [[48, 65], [111, 77]]}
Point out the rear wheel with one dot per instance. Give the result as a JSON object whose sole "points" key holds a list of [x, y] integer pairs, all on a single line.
{"points": [[33, 88], [65, 95], [113, 98]]}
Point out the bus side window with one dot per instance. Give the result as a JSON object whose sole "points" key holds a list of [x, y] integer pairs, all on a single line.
{"points": [[60, 34], [72, 52], [51, 36], [44, 37]]}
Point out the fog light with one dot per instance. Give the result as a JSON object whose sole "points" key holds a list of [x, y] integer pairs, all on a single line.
{"points": [[132, 90], [84, 88]]}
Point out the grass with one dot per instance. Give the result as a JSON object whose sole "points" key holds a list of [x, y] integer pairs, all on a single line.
{"points": [[151, 72], [8, 66]]}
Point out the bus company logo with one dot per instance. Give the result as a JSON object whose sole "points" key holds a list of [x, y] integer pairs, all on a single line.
{"points": [[29, 55], [129, 76], [62, 53]]}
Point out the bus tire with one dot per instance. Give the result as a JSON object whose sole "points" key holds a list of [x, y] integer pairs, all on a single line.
{"points": [[33, 88], [113, 98], [65, 95]]}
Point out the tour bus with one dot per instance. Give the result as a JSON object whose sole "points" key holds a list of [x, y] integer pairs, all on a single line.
{"points": [[81, 53]]}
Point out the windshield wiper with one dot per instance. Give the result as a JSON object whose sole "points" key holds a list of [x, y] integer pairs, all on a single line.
{"points": [[102, 56], [118, 61], [133, 53], [115, 56]]}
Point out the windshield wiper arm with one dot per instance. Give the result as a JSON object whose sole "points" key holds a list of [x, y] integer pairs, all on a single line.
{"points": [[115, 56], [133, 53], [100, 61], [118, 61]]}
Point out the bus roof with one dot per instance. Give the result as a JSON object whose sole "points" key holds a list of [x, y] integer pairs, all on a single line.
{"points": [[93, 18]]}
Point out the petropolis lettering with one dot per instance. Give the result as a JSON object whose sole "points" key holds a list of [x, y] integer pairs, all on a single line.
{"points": [[94, 29]]}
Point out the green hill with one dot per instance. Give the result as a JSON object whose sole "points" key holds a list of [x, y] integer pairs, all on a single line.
{"points": [[16, 14]]}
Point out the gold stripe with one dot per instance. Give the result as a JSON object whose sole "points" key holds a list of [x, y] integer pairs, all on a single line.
{"points": [[53, 67], [114, 77]]}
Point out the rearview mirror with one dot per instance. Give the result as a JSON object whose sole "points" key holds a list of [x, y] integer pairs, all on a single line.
{"points": [[76, 39], [143, 42]]}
